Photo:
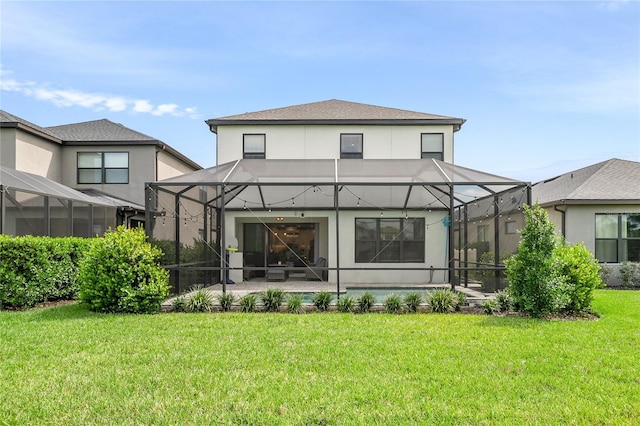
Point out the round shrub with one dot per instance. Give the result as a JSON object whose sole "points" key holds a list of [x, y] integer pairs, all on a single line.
{"points": [[120, 273]]}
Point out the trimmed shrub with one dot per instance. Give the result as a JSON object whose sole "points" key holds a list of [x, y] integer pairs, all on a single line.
{"points": [[39, 269], [393, 304], [442, 300], [412, 301], [580, 272], [294, 304], [248, 303], [629, 274], [322, 300], [345, 304], [366, 302], [120, 273], [272, 299]]}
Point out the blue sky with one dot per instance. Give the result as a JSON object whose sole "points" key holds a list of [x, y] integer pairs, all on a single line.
{"points": [[545, 87]]}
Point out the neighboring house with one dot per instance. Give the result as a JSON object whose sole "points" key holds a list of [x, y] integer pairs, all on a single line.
{"points": [[105, 161], [599, 206], [368, 188]]}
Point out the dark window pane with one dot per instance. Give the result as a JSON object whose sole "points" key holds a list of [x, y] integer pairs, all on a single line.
{"points": [[413, 251], [389, 229], [350, 146], [632, 226], [607, 251], [389, 251], [366, 229], [365, 251], [631, 250]]}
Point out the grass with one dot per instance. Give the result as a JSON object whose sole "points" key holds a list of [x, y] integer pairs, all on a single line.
{"points": [[68, 366]]}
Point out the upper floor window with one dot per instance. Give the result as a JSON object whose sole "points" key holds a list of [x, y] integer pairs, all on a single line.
{"points": [[389, 240], [253, 146], [432, 146], [618, 237], [351, 145], [103, 167]]}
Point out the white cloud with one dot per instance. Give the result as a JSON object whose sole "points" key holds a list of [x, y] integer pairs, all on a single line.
{"points": [[94, 101]]}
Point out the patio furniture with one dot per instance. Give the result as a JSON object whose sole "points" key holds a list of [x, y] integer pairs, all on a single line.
{"points": [[317, 271], [275, 275]]}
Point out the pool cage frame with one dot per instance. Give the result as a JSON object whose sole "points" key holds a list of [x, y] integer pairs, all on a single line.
{"points": [[463, 195]]}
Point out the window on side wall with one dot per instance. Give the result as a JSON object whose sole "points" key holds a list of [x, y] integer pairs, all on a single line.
{"points": [[618, 237], [510, 227], [253, 146], [393, 240], [351, 145], [103, 167], [432, 145]]}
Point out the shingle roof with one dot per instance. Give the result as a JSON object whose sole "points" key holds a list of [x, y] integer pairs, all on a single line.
{"points": [[10, 120], [612, 181], [335, 111], [98, 131]]}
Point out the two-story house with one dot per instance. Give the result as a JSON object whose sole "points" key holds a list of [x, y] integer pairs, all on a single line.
{"points": [[369, 189], [97, 164]]}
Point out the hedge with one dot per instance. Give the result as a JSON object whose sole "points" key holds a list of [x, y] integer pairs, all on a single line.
{"points": [[39, 269]]}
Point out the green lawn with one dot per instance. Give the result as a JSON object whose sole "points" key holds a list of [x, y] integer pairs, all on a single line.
{"points": [[66, 365]]}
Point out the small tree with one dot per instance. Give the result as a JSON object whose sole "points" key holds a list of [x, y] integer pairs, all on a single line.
{"points": [[120, 273], [548, 275], [533, 283]]}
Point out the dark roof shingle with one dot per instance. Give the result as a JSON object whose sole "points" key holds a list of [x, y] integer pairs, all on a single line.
{"points": [[611, 181], [98, 131], [335, 111]]}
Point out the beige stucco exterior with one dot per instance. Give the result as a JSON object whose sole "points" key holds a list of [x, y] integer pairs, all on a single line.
{"points": [[142, 168], [168, 166], [299, 141], [28, 153]]}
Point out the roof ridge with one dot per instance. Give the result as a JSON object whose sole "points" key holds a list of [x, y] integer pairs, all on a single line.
{"points": [[598, 168]]}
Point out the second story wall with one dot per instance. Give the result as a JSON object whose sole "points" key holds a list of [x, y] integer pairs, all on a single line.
{"points": [[28, 153], [299, 141], [141, 168], [168, 166]]}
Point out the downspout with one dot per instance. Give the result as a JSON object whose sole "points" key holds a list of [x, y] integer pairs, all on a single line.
{"points": [[563, 221]]}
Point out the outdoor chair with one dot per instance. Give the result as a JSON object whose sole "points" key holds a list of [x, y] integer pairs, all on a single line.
{"points": [[317, 271]]}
